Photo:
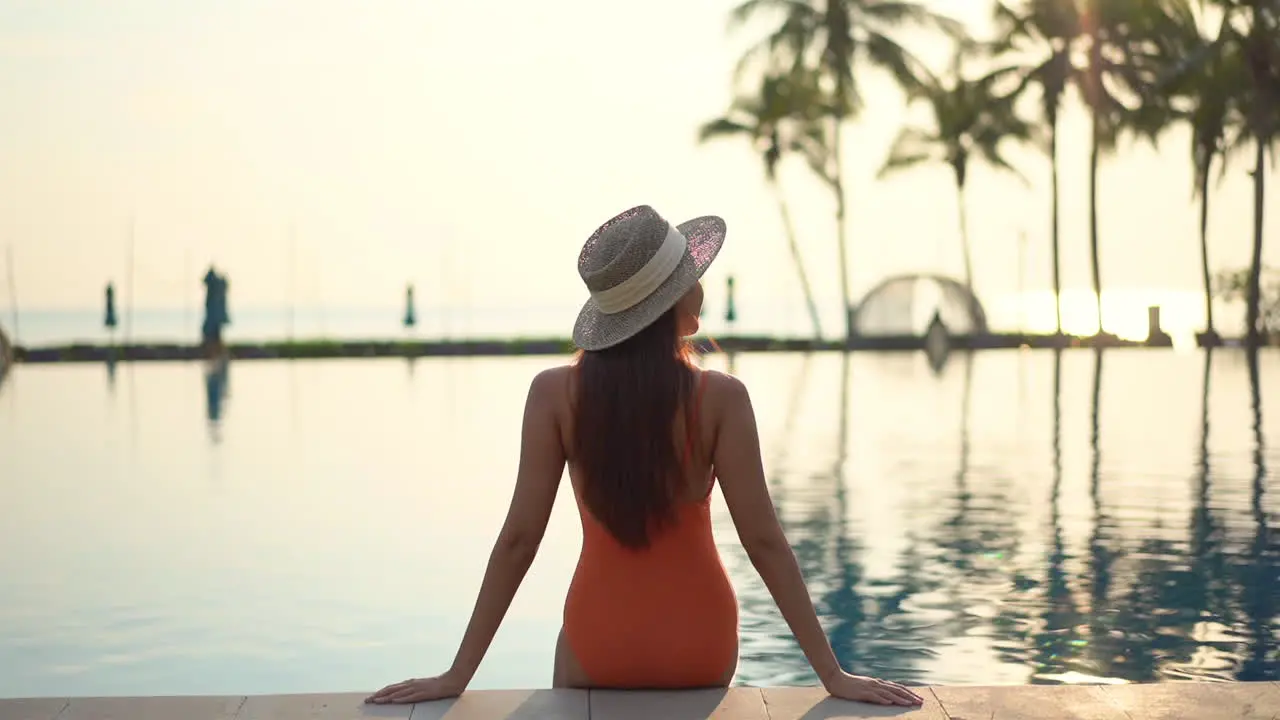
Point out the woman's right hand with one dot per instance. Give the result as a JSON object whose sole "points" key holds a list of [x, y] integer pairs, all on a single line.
{"points": [[418, 690], [870, 690]]}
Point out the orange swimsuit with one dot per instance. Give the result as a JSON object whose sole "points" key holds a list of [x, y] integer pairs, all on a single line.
{"points": [[662, 617]]}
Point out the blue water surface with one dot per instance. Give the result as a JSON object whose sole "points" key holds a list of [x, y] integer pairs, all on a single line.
{"points": [[275, 526]]}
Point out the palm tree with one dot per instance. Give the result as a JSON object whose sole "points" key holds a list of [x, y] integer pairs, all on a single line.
{"points": [[1045, 30], [1208, 119], [778, 120], [1114, 38], [1250, 36], [1260, 49], [1199, 93], [969, 120], [833, 37], [1119, 61]]}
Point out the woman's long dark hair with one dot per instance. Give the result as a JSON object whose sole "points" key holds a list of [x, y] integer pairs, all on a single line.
{"points": [[623, 437]]}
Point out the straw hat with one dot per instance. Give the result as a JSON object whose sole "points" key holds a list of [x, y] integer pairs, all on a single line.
{"points": [[637, 266]]}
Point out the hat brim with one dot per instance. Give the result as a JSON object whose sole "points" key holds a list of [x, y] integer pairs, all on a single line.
{"points": [[595, 330]]}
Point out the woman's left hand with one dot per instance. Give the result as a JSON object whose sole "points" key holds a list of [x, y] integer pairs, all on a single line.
{"points": [[419, 690]]}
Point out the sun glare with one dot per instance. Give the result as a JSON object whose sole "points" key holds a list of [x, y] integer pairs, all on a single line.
{"points": [[1124, 312]]}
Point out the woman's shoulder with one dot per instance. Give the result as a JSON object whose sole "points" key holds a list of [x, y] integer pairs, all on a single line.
{"points": [[722, 388], [552, 386], [551, 374], [553, 379]]}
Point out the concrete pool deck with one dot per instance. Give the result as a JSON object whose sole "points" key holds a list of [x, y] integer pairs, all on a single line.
{"points": [[1157, 701]]}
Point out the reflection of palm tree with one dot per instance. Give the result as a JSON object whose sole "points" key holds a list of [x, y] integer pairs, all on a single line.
{"points": [[843, 601], [962, 474], [981, 541], [862, 646], [828, 554], [1205, 552], [1260, 583], [779, 453], [1170, 579], [871, 646], [755, 605], [1101, 557], [1059, 635], [957, 538], [1152, 627], [824, 549], [976, 540]]}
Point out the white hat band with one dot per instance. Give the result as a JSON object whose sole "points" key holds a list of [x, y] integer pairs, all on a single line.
{"points": [[631, 291]]}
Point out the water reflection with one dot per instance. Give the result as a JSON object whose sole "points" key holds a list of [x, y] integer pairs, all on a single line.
{"points": [[111, 373], [1058, 632], [1203, 587], [1260, 579], [1133, 600], [779, 455], [852, 645], [1099, 647], [1110, 522], [216, 383]]}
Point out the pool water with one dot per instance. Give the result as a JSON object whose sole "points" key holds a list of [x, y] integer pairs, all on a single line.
{"points": [[1014, 517]]}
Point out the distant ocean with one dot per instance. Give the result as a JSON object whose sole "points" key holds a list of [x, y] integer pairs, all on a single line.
{"points": [[36, 328], [1126, 312]]}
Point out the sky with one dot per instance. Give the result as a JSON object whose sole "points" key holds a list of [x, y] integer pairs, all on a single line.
{"points": [[471, 148]]}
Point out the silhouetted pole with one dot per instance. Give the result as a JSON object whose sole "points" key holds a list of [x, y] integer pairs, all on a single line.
{"points": [[410, 317], [13, 296], [730, 309], [109, 321]]}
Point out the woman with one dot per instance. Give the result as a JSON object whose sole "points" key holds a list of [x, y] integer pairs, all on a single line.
{"points": [[645, 434]]}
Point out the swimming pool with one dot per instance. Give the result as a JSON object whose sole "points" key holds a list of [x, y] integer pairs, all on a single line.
{"points": [[327, 531]]}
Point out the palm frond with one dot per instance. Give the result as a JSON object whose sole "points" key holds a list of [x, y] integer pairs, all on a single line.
{"points": [[886, 53], [900, 163], [898, 13], [724, 127], [912, 146], [754, 9], [785, 46]]}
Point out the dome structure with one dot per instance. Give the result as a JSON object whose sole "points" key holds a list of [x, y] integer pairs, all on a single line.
{"points": [[907, 304]]}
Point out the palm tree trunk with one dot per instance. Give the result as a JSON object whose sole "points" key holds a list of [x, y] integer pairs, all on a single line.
{"points": [[1093, 219], [1253, 314], [1057, 255], [790, 230], [841, 235], [964, 235], [1204, 251]]}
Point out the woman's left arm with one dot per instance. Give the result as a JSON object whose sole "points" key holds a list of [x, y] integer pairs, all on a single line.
{"points": [[542, 462]]}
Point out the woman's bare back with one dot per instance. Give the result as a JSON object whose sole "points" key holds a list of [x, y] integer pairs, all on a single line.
{"points": [[699, 465]]}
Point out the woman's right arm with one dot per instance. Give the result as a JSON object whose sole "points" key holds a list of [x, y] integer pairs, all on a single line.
{"points": [[741, 473]]}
